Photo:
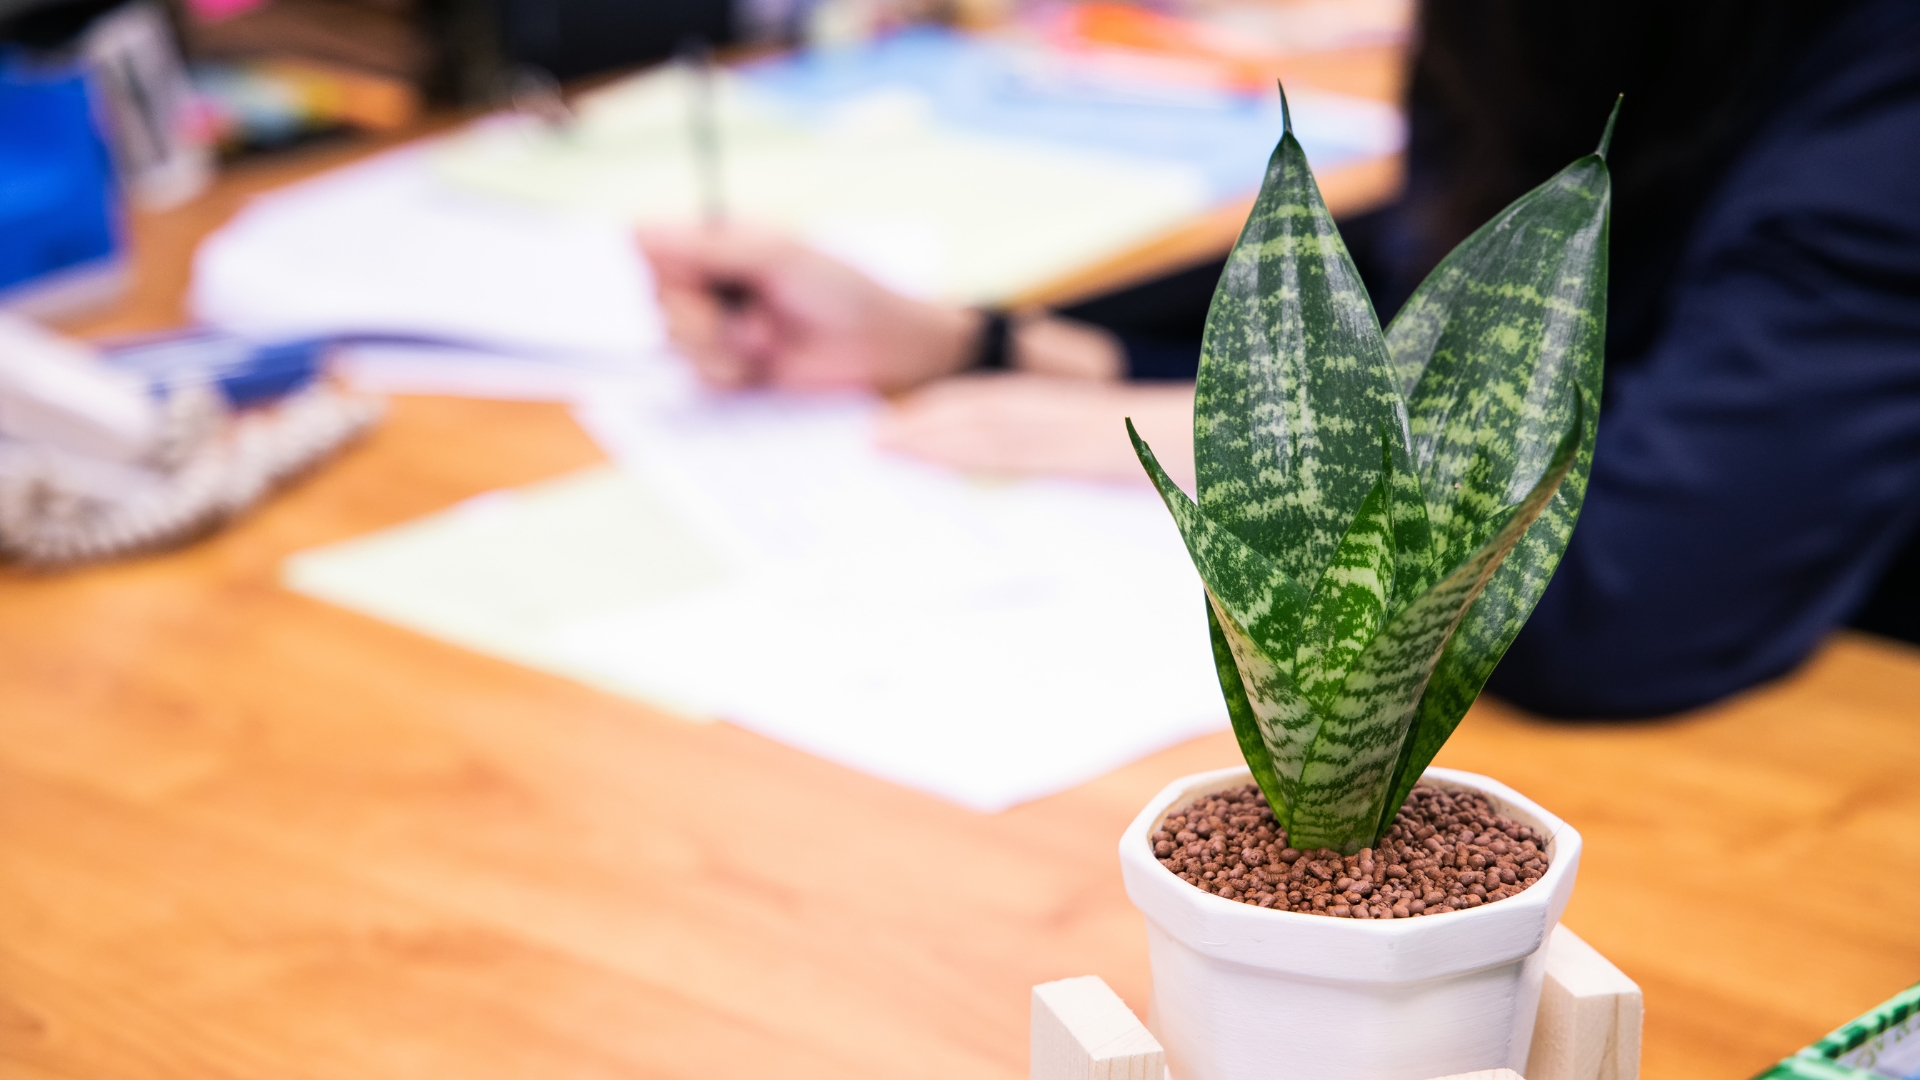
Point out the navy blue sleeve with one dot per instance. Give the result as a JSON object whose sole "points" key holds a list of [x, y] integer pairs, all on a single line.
{"points": [[1760, 467]]}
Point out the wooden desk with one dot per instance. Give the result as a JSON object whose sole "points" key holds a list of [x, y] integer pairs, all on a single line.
{"points": [[244, 834]]}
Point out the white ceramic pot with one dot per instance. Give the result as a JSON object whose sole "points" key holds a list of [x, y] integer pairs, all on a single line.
{"points": [[1248, 993]]}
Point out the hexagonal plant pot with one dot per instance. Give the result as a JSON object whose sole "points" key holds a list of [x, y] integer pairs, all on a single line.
{"points": [[1248, 993]]}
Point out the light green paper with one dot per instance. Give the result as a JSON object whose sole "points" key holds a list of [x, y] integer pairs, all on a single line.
{"points": [[502, 573]]}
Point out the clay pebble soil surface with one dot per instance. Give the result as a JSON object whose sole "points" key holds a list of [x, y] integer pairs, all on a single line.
{"points": [[1446, 851]]}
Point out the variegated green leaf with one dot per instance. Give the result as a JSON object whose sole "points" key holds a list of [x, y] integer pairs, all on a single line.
{"points": [[1350, 601], [1286, 723], [1489, 346], [1254, 610], [1489, 627], [1349, 777], [1295, 384], [1246, 729], [1259, 598], [1414, 564], [1522, 303]]}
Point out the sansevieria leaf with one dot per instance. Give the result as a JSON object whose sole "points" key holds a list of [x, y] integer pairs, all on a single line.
{"points": [[1349, 775], [1507, 335], [1254, 612], [1378, 513], [1295, 394], [1246, 727], [1262, 601], [1295, 384], [1350, 601], [1285, 720]]}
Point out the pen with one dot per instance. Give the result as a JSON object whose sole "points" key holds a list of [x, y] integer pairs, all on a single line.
{"points": [[705, 137]]}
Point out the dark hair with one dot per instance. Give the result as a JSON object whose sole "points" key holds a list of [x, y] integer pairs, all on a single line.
{"points": [[1504, 93]]}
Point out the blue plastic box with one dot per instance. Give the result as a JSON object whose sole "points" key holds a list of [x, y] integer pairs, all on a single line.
{"points": [[60, 228]]}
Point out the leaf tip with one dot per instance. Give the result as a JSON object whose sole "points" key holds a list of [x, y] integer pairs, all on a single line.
{"points": [[1143, 452], [1606, 134], [1286, 112]]}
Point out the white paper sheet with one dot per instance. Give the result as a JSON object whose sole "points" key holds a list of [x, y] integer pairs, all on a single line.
{"points": [[990, 642], [382, 247], [506, 572], [383, 367], [987, 642]]}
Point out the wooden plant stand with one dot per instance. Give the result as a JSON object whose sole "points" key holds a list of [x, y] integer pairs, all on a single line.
{"points": [[1588, 1026]]}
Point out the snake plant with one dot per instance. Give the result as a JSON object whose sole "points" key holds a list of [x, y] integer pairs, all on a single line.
{"points": [[1379, 511]]}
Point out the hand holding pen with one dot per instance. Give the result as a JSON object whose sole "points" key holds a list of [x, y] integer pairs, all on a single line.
{"points": [[750, 308], [812, 322]]}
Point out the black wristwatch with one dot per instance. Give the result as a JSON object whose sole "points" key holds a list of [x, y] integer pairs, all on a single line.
{"points": [[993, 350]]}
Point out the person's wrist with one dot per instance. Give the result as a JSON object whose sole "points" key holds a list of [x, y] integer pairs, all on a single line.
{"points": [[1067, 349], [941, 341]]}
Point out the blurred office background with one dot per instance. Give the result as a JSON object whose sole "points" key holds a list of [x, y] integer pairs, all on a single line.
{"points": [[969, 151]]}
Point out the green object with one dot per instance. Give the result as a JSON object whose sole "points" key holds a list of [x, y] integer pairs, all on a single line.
{"points": [[509, 572], [1379, 512], [1882, 1044]]}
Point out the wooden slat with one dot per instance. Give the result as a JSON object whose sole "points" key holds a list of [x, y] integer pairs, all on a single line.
{"points": [[1588, 1026], [1589, 1023], [1081, 1030]]}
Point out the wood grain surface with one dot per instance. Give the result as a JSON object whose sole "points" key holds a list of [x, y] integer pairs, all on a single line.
{"points": [[244, 834]]}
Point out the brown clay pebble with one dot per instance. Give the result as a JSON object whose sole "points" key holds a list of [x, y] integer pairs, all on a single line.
{"points": [[1446, 851]]}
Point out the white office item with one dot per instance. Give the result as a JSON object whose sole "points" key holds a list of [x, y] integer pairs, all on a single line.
{"points": [[987, 642], [993, 215], [382, 248], [159, 149], [509, 572], [425, 368], [515, 235], [55, 391], [98, 461], [59, 508], [972, 161]]}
